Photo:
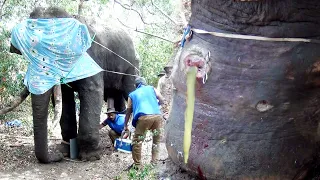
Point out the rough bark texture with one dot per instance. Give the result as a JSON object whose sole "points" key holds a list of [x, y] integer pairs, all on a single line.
{"points": [[257, 116]]}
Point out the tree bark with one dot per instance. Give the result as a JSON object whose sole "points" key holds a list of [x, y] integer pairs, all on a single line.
{"points": [[80, 7]]}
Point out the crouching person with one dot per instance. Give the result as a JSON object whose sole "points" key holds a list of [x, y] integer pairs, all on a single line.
{"points": [[143, 103], [116, 123]]}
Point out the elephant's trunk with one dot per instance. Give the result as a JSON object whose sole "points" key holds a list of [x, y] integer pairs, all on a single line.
{"points": [[8, 108], [40, 105]]}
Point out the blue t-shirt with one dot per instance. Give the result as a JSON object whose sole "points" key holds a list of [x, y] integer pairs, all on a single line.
{"points": [[118, 124], [144, 102]]}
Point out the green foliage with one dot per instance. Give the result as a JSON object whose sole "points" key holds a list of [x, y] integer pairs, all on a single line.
{"points": [[11, 69], [142, 2], [147, 172], [103, 1], [154, 55]]}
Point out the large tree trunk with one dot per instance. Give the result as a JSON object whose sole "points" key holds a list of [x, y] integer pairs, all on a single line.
{"points": [[257, 116]]}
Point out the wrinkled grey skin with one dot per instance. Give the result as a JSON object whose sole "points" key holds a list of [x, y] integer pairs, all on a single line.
{"points": [[92, 91], [257, 115]]}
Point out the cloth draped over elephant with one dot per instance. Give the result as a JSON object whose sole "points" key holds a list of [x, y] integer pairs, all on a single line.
{"points": [[56, 51]]}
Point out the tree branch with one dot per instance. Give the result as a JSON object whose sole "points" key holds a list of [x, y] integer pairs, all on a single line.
{"points": [[2, 5], [80, 7], [139, 31], [131, 9], [182, 15], [149, 11], [167, 16]]}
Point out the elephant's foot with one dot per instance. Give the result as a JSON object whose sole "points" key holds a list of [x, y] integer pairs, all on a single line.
{"points": [[49, 157], [55, 157], [64, 148], [91, 155]]}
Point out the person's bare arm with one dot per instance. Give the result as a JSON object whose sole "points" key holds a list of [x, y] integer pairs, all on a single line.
{"points": [[160, 85], [128, 114], [103, 124], [159, 96]]}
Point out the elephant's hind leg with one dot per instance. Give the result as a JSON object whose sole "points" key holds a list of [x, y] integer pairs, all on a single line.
{"points": [[119, 102], [91, 98], [68, 120]]}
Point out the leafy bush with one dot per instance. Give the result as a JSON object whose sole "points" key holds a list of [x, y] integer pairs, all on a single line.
{"points": [[154, 55], [12, 68]]}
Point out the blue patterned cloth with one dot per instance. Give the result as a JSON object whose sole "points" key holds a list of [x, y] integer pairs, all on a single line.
{"points": [[56, 51]]}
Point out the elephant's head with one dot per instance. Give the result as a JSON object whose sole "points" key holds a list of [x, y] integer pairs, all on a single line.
{"points": [[256, 109]]}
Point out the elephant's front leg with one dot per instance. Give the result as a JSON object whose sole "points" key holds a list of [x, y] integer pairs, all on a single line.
{"points": [[40, 105], [91, 97]]}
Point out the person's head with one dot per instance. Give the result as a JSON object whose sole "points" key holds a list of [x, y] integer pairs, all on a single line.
{"points": [[140, 81], [168, 70], [162, 73], [111, 112]]}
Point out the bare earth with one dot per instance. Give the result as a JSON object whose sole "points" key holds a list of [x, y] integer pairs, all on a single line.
{"points": [[17, 160]]}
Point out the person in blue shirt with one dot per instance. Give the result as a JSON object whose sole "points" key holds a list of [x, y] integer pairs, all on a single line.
{"points": [[144, 103], [116, 123]]}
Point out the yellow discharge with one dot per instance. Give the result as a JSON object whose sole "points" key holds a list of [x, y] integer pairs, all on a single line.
{"points": [[188, 116]]}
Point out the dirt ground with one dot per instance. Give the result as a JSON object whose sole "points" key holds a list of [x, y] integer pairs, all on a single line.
{"points": [[17, 161]]}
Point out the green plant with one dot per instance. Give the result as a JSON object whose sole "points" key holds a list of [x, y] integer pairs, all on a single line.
{"points": [[12, 69], [154, 55], [146, 173]]}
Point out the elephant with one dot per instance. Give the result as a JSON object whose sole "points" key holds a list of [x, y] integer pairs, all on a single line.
{"points": [[110, 49], [257, 98]]}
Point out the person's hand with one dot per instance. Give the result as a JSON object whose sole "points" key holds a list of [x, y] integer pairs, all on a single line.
{"points": [[126, 135], [165, 116], [126, 128]]}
